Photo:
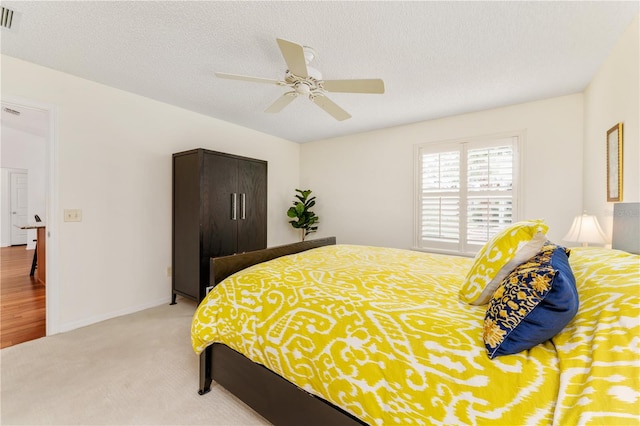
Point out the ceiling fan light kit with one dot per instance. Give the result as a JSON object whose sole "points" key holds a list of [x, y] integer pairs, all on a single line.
{"points": [[307, 81]]}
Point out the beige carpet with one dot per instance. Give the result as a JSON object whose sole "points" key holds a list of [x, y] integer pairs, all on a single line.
{"points": [[135, 369]]}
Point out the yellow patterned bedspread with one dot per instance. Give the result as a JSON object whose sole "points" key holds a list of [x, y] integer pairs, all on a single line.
{"points": [[381, 333]]}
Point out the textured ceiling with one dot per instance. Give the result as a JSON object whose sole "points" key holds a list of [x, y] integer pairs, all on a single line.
{"points": [[437, 58]]}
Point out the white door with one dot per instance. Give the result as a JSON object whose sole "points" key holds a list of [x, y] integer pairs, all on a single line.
{"points": [[19, 205]]}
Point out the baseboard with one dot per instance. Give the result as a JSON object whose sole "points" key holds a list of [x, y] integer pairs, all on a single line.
{"points": [[72, 325]]}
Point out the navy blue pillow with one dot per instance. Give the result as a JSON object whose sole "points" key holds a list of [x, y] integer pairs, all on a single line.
{"points": [[532, 304]]}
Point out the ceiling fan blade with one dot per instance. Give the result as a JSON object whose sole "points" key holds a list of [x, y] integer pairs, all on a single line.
{"points": [[354, 86], [293, 55], [245, 78], [331, 107], [282, 102]]}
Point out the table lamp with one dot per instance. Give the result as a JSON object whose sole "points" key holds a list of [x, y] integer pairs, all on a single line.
{"points": [[586, 229]]}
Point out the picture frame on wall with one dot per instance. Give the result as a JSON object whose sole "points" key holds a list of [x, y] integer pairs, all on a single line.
{"points": [[614, 163]]}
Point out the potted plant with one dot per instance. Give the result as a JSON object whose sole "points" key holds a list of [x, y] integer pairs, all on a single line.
{"points": [[305, 219]]}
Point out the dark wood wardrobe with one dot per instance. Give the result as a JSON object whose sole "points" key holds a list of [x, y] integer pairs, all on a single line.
{"points": [[219, 208]]}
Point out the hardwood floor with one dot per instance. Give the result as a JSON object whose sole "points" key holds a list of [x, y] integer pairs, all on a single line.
{"points": [[22, 298]]}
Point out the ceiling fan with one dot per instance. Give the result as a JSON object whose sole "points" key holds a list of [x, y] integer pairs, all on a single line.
{"points": [[307, 81]]}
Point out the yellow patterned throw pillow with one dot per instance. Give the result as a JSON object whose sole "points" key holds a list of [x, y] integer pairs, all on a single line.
{"points": [[499, 256]]}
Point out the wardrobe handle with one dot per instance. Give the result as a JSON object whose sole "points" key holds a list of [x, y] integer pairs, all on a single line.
{"points": [[234, 203], [243, 206]]}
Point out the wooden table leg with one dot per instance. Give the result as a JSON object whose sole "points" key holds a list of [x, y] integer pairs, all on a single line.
{"points": [[35, 261]]}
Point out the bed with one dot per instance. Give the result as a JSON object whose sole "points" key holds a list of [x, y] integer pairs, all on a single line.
{"points": [[371, 335]]}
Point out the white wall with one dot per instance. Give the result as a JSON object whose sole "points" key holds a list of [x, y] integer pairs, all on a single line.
{"points": [[114, 163], [364, 183], [26, 151], [613, 96]]}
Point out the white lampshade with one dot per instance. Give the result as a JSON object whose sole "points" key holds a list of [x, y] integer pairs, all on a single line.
{"points": [[585, 230]]}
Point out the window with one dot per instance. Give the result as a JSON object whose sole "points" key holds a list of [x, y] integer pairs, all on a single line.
{"points": [[466, 192]]}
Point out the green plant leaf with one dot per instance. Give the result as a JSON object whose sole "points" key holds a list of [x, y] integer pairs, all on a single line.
{"points": [[301, 211]]}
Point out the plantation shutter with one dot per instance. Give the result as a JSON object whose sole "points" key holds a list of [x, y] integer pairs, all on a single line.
{"points": [[489, 192], [441, 196], [466, 193]]}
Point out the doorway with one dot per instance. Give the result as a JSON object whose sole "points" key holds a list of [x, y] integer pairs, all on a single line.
{"points": [[28, 148]]}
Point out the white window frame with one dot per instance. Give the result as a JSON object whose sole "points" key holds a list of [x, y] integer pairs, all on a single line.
{"points": [[463, 145]]}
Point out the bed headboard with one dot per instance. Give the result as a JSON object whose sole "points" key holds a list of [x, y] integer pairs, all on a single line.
{"points": [[626, 227], [221, 267]]}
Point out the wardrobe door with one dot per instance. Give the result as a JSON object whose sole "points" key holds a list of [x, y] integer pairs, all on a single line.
{"points": [[220, 208], [252, 190]]}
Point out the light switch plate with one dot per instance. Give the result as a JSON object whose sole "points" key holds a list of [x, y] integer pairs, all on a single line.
{"points": [[72, 215]]}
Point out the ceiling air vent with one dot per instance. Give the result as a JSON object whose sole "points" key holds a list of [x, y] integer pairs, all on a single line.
{"points": [[7, 18]]}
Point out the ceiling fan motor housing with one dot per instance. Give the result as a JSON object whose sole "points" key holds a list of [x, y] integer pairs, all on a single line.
{"points": [[304, 86]]}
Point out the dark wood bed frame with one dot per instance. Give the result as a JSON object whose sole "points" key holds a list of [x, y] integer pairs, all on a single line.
{"points": [[272, 396]]}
